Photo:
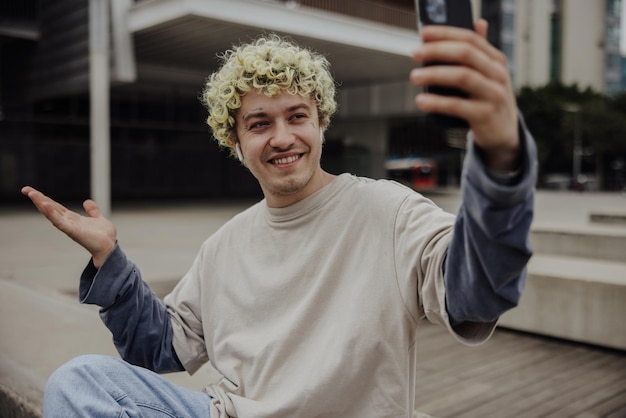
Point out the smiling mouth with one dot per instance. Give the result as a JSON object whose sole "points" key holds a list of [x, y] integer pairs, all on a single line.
{"points": [[286, 160]]}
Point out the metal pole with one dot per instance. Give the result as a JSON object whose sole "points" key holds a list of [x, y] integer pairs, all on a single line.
{"points": [[575, 110], [577, 154], [99, 104]]}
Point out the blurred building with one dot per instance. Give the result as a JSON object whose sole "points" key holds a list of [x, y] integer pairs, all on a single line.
{"points": [[161, 51], [571, 41]]}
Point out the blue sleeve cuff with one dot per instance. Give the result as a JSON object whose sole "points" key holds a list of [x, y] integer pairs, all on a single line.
{"points": [[503, 190], [103, 286]]}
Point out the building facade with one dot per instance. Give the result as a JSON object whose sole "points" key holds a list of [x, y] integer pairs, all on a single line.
{"points": [[570, 41]]}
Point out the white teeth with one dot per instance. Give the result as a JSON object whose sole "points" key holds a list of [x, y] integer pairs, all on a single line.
{"points": [[286, 160]]}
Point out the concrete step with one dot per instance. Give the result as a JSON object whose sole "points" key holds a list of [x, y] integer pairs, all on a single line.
{"points": [[576, 287], [572, 298], [609, 245]]}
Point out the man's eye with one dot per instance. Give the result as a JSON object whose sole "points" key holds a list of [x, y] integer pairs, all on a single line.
{"points": [[259, 124], [298, 116]]}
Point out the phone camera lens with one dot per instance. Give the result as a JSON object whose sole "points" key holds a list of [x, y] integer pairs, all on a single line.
{"points": [[437, 11]]}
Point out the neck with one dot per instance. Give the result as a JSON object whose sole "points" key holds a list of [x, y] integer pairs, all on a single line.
{"points": [[318, 181]]}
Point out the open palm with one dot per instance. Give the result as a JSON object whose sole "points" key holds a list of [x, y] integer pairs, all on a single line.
{"points": [[94, 232]]}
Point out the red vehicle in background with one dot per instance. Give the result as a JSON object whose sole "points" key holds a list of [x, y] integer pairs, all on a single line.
{"points": [[418, 173]]}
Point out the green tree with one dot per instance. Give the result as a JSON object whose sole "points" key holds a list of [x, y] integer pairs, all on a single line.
{"points": [[555, 112]]}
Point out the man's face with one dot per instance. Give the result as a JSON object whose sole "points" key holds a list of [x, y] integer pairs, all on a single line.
{"points": [[280, 140]]}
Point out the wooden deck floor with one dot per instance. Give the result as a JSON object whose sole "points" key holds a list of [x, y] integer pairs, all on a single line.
{"points": [[518, 375]]}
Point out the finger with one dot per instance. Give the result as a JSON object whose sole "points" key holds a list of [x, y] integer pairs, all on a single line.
{"points": [[34, 195], [40, 200], [27, 189], [92, 208], [481, 27], [475, 84], [471, 110], [55, 212], [434, 103], [433, 33], [454, 52], [466, 59]]}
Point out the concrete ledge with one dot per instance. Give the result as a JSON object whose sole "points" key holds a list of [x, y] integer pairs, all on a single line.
{"points": [[606, 245], [12, 405], [574, 299], [21, 388]]}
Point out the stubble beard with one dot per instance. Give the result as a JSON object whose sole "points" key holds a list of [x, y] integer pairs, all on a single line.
{"points": [[289, 186]]}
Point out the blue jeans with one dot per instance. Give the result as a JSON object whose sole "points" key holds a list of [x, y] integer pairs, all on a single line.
{"points": [[102, 386]]}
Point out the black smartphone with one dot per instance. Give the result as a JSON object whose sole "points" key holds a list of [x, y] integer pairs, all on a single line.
{"points": [[452, 13]]}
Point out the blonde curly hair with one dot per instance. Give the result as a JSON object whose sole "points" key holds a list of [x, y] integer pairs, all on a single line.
{"points": [[271, 65]]}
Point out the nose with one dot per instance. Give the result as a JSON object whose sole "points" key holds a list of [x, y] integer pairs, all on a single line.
{"points": [[282, 136]]}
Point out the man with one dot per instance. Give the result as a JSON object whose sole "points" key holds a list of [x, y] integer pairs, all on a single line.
{"points": [[308, 302]]}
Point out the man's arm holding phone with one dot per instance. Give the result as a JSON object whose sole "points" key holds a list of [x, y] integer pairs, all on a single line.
{"points": [[485, 268]]}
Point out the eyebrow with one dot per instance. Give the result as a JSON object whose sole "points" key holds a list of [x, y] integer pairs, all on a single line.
{"points": [[258, 112], [253, 113]]}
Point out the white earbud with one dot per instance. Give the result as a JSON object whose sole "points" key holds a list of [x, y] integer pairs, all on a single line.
{"points": [[321, 135], [238, 151]]}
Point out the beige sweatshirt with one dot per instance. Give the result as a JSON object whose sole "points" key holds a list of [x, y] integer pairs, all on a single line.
{"points": [[312, 310]]}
